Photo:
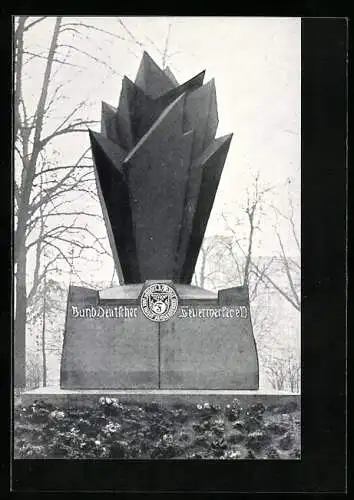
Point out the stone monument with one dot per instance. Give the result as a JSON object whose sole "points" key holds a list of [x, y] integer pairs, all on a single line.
{"points": [[157, 166]]}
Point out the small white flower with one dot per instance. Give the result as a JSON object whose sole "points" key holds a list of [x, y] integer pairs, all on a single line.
{"points": [[97, 442], [255, 434], [57, 414], [112, 427], [206, 406], [199, 406]]}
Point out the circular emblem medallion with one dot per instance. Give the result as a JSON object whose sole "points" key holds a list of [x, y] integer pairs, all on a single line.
{"points": [[159, 302]]}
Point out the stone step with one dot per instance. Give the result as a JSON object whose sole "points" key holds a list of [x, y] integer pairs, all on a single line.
{"points": [[90, 397]]}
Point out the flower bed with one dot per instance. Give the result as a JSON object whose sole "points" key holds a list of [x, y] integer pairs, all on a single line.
{"points": [[131, 431]]}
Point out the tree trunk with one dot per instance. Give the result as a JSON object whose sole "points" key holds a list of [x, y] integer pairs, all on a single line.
{"points": [[20, 253], [44, 359], [20, 321]]}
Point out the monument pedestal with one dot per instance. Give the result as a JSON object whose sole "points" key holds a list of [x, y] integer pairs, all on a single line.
{"points": [[207, 345]]}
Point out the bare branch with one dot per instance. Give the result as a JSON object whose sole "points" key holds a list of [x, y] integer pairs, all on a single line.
{"points": [[64, 257], [55, 94], [130, 33], [44, 91], [277, 287], [293, 225], [70, 129], [260, 277], [64, 214], [18, 72], [69, 27], [290, 219], [39, 278], [34, 23], [232, 254], [287, 270], [55, 188], [94, 58], [153, 44], [167, 41], [67, 118], [64, 167], [54, 59], [58, 231]]}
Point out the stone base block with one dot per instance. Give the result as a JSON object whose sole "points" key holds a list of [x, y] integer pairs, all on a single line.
{"points": [[110, 344]]}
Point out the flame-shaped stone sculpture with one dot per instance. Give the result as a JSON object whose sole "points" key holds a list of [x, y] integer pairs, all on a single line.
{"points": [[158, 166]]}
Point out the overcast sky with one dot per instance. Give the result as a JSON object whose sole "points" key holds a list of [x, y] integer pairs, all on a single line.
{"points": [[257, 69]]}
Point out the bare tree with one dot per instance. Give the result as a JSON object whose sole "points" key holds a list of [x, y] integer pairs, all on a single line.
{"points": [[239, 243], [33, 371], [283, 371], [29, 154], [289, 268], [44, 316], [207, 269], [42, 188]]}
